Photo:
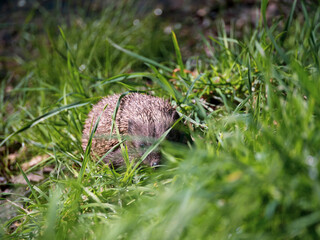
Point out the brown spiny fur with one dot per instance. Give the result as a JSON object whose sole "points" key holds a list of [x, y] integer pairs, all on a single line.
{"points": [[139, 115]]}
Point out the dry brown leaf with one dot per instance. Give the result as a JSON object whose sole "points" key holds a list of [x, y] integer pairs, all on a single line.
{"points": [[48, 169], [34, 161], [33, 177], [12, 157]]}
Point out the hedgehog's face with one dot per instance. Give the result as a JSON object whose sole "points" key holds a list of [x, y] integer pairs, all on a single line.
{"points": [[143, 136], [146, 129], [140, 146], [137, 146], [153, 159]]}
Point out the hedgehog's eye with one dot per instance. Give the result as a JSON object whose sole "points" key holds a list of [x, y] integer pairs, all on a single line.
{"points": [[142, 145]]}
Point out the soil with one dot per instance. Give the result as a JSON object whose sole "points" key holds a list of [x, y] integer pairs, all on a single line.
{"points": [[188, 17]]}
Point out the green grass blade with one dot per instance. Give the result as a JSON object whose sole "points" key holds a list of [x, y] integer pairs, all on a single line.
{"points": [[192, 86], [281, 52], [52, 215], [225, 102], [124, 149], [137, 56], [240, 106], [29, 184], [44, 117], [88, 149], [178, 54], [249, 82], [165, 84], [114, 115], [118, 78], [288, 22], [110, 151]]}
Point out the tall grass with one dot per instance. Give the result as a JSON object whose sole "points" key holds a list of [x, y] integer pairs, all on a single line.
{"points": [[252, 110]]}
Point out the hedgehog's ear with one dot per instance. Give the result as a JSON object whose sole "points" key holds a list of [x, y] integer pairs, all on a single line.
{"points": [[175, 115]]}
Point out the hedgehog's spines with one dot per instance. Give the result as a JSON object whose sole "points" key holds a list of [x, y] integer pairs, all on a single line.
{"points": [[154, 116]]}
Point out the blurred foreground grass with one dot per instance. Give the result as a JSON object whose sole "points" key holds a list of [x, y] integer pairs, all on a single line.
{"points": [[252, 109]]}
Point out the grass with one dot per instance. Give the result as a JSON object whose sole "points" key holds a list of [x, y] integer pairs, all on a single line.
{"points": [[252, 110]]}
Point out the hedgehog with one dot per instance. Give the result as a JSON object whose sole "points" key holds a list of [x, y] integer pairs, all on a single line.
{"points": [[141, 117]]}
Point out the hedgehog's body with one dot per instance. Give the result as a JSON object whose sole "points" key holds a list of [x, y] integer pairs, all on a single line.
{"points": [[138, 115]]}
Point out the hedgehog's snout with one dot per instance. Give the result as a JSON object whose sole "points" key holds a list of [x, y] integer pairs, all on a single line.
{"points": [[153, 159]]}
